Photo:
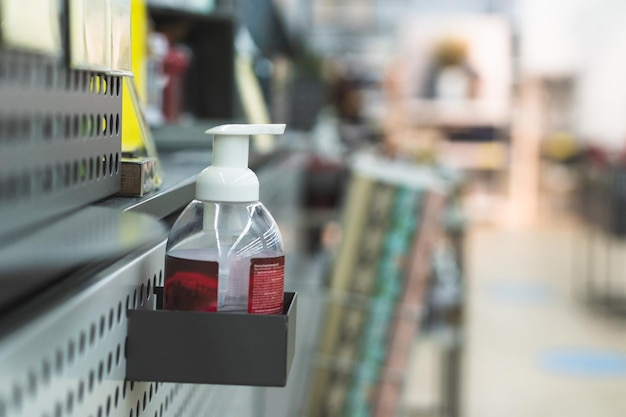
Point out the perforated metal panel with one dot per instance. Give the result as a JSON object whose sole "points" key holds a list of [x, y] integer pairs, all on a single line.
{"points": [[67, 357], [60, 139]]}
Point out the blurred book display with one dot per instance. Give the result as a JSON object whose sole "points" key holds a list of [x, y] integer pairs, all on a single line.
{"points": [[392, 217]]}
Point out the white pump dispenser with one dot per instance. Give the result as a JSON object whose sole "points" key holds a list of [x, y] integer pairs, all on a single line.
{"points": [[229, 179], [225, 251]]}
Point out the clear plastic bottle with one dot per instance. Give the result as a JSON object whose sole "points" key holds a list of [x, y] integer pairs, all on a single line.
{"points": [[224, 254], [231, 236]]}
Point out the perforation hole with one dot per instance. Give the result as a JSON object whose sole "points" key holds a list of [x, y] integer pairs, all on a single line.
{"points": [[12, 128], [111, 317], [100, 371], [109, 363], [81, 391], [58, 126], [32, 383], [117, 124], [47, 129], [116, 397], [58, 363], [91, 125], [91, 169], [119, 311], [58, 410], [138, 407], [92, 334], [111, 167], [27, 127], [81, 342], [48, 179], [69, 402], [102, 325], [45, 374], [141, 294], [83, 173], [67, 174], [17, 397], [92, 377], [103, 125], [84, 125], [149, 290], [98, 125], [94, 84], [108, 406], [117, 86], [117, 163], [75, 172], [67, 127], [117, 354], [145, 401], [99, 167], [135, 298], [99, 411], [75, 126], [104, 166]]}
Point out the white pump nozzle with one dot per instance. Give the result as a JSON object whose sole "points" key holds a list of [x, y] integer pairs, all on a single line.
{"points": [[229, 179]]}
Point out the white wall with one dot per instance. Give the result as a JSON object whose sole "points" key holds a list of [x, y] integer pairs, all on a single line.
{"points": [[585, 39]]}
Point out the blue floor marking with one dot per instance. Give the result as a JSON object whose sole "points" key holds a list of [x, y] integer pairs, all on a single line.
{"points": [[522, 292], [585, 362]]}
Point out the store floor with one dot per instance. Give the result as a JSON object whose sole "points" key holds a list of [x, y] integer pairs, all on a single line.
{"points": [[533, 348]]}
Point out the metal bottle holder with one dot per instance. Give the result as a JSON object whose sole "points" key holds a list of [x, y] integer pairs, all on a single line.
{"points": [[211, 348]]}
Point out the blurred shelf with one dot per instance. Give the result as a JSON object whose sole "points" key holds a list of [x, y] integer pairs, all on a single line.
{"points": [[489, 156]]}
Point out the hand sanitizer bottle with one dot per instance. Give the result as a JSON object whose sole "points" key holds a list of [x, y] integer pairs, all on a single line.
{"points": [[225, 252]]}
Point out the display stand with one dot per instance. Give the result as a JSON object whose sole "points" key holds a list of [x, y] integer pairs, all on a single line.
{"points": [[392, 221]]}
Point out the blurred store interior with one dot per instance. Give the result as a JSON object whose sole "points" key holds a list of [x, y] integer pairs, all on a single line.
{"points": [[451, 192]]}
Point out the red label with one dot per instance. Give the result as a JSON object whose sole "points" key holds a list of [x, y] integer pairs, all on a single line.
{"points": [[267, 284], [190, 284]]}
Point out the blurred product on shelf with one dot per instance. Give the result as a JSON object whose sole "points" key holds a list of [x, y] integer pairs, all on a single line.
{"points": [[175, 67], [156, 80], [450, 76], [449, 87]]}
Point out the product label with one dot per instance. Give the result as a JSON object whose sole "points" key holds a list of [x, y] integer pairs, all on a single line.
{"points": [[267, 284], [190, 284]]}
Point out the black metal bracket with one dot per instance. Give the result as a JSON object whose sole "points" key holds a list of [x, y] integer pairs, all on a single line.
{"points": [[211, 348]]}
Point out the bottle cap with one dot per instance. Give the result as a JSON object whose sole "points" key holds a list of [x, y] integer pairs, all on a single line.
{"points": [[229, 179]]}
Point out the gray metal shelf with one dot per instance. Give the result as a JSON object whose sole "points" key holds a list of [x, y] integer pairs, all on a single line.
{"points": [[62, 352]]}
